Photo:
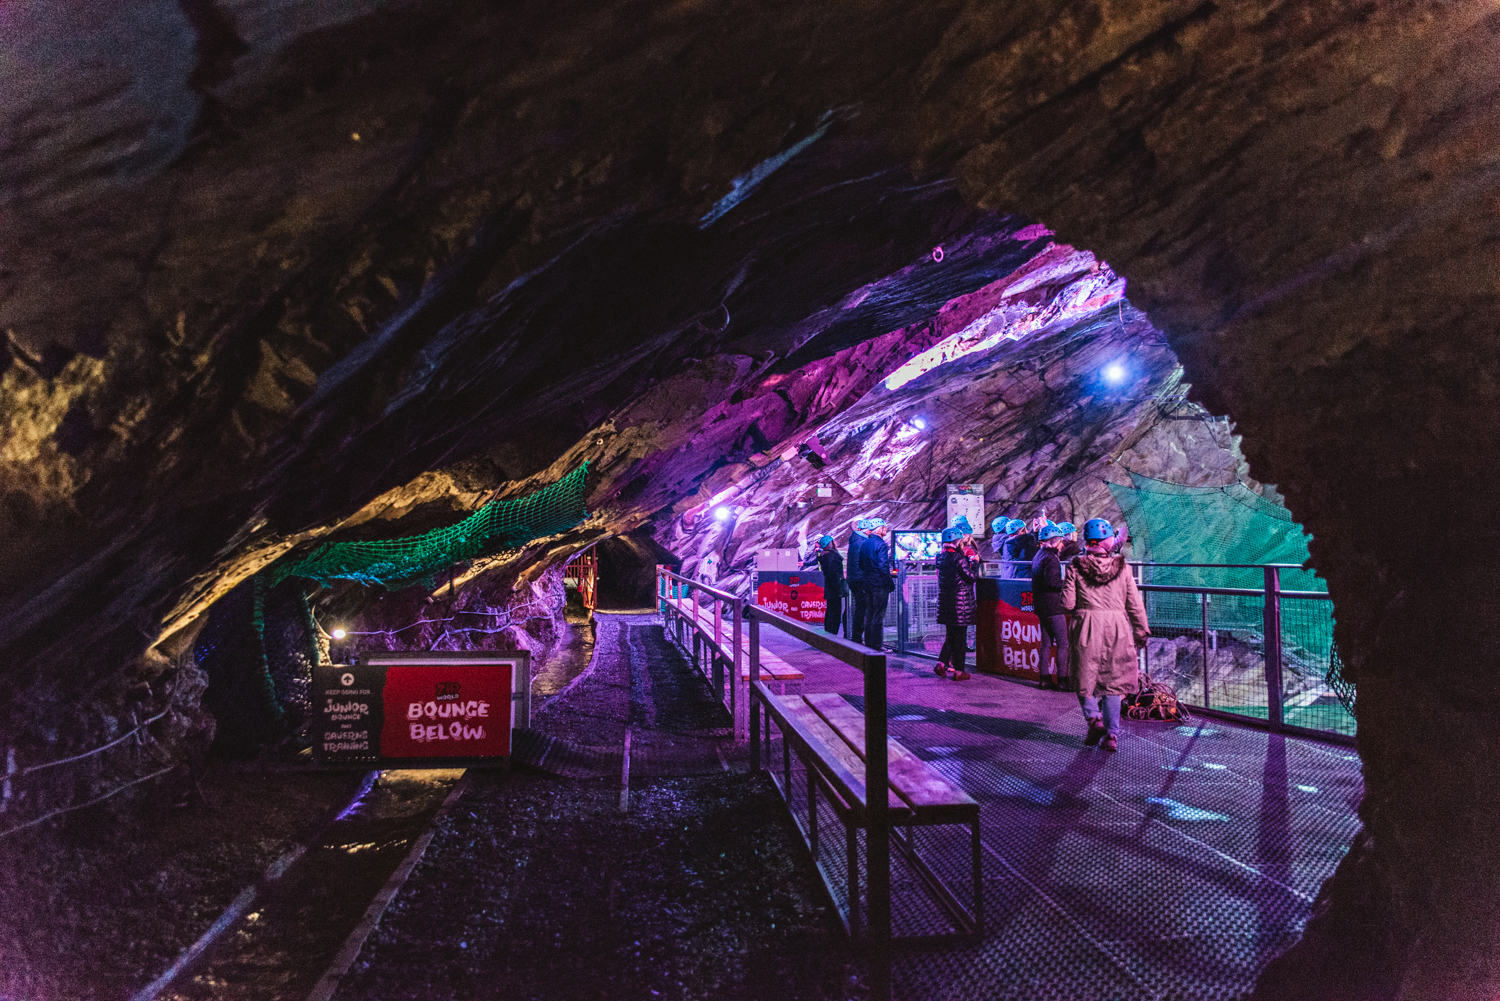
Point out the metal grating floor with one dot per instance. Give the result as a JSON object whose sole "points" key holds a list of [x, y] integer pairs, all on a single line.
{"points": [[1174, 869]]}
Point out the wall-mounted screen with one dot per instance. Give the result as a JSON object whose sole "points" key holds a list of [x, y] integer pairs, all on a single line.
{"points": [[906, 545]]}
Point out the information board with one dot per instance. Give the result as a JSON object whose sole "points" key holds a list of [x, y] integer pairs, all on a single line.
{"points": [[966, 500], [411, 709]]}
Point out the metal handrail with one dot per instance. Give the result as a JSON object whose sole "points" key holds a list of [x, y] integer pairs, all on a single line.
{"points": [[1243, 592], [666, 575], [871, 664], [663, 571]]}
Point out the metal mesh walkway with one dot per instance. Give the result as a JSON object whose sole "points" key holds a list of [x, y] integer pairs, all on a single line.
{"points": [[1174, 869]]}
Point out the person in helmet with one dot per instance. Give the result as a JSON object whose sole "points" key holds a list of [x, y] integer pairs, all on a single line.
{"points": [[956, 576], [859, 597], [1047, 601], [1070, 546], [832, 564], [1109, 624], [1012, 548], [876, 580]]}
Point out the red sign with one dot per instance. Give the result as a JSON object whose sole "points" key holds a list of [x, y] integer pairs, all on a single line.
{"points": [[446, 710], [1020, 641], [798, 598]]}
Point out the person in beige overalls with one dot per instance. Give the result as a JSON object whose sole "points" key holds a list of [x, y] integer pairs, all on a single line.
{"points": [[1107, 627]]}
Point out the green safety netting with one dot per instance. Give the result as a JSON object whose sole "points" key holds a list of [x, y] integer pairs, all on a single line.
{"points": [[1170, 523], [419, 559]]}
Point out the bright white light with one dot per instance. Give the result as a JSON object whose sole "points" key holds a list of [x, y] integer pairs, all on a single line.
{"points": [[920, 423], [1114, 373], [339, 633], [722, 513]]}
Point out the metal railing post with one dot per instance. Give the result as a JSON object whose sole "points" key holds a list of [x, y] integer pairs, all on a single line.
{"points": [[1203, 601], [749, 693], [878, 829], [717, 657], [1272, 645], [734, 671], [902, 627]]}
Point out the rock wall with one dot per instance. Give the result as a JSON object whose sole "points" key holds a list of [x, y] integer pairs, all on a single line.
{"points": [[1015, 394], [265, 262]]}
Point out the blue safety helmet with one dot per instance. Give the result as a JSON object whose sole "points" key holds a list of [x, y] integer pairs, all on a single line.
{"points": [[862, 525], [1097, 528], [963, 523], [876, 523], [825, 541], [1067, 527], [953, 534], [998, 525], [1050, 532], [1015, 525]]}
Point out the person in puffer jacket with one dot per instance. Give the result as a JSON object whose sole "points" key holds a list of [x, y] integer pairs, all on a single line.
{"points": [[955, 613], [1109, 624]]}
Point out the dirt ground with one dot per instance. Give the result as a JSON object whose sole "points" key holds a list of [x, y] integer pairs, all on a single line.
{"points": [[541, 888], [94, 911]]}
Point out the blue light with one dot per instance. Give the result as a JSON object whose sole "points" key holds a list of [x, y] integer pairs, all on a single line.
{"points": [[722, 513], [920, 423], [1114, 373]]}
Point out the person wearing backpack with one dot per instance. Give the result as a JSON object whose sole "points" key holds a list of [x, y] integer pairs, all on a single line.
{"points": [[1109, 624], [956, 576], [1047, 601]]}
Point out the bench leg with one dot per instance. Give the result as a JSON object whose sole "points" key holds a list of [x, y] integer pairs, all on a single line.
{"points": [[851, 848], [978, 881], [786, 759], [754, 731], [812, 812]]}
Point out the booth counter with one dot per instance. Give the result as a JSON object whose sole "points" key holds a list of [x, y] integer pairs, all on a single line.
{"points": [[1008, 635]]}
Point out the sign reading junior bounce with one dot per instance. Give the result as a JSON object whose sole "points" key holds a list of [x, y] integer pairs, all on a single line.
{"points": [[416, 708]]}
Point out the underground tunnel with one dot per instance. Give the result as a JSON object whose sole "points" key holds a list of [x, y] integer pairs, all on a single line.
{"points": [[342, 332]]}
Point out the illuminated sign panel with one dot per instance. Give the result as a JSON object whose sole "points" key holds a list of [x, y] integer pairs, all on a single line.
{"points": [[411, 709]]}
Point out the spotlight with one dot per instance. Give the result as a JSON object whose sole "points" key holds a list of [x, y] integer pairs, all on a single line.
{"points": [[920, 423], [1114, 373], [338, 633], [722, 513]]}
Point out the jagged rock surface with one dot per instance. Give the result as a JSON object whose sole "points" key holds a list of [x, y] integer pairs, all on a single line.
{"points": [[264, 262]]}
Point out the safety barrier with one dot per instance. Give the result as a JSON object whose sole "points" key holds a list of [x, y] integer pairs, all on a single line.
{"points": [[1234, 669], [720, 642], [876, 814]]}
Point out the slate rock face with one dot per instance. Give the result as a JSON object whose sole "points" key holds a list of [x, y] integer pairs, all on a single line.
{"points": [[265, 262]]}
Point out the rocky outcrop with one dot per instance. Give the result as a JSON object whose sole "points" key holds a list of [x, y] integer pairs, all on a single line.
{"points": [[266, 262]]}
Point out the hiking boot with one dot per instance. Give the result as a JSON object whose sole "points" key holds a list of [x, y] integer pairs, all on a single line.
{"points": [[1111, 743], [1096, 733], [960, 675], [940, 669]]}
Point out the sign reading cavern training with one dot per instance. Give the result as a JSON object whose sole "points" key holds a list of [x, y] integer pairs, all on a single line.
{"points": [[411, 709]]}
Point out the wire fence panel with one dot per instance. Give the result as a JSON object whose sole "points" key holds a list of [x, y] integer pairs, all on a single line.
{"points": [[1309, 698]]}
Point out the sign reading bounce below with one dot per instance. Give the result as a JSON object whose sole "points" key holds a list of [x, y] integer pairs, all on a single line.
{"points": [[411, 709]]}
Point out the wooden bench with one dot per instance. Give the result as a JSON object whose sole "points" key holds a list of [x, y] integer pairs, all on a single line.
{"points": [[828, 736]]}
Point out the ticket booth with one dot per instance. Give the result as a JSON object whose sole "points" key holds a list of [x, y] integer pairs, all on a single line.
{"points": [[782, 586], [1008, 637]]}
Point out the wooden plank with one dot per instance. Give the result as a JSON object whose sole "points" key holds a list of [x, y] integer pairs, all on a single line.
{"points": [[823, 741], [772, 667], [917, 782]]}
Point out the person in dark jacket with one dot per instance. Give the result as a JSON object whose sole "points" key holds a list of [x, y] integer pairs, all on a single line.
{"points": [[955, 614], [1071, 546], [832, 564], [875, 578], [1047, 600], [859, 597]]}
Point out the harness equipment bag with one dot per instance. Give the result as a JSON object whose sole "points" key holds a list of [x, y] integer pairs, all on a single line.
{"points": [[1156, 701]]}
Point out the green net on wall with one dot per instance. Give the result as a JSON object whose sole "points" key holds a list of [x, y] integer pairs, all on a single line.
{"points": [[1170, 523], [419, 559]]}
